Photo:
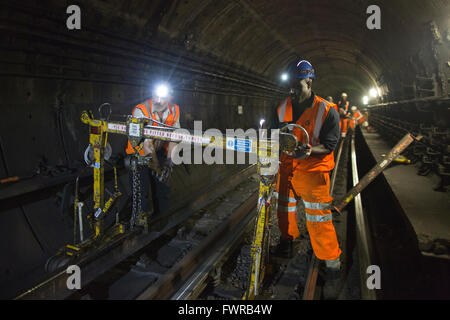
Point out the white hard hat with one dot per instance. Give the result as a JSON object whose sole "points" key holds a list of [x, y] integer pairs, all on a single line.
{"points": [[354, 108], [344, 94]]}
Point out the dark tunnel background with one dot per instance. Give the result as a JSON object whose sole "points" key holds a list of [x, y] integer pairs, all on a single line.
{"points": [[218, 54]]}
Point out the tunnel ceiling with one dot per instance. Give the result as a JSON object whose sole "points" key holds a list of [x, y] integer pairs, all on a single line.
{"points": [[264, 36], [260, 37]]}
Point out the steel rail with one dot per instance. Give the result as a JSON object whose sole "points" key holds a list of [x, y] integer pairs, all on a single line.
{"points": [[313, 272], [171, 282], [427, 99], [96, 263], [363, 233], [190, 288]]}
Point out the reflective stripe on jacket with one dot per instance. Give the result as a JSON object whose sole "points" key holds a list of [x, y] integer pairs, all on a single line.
{"points": [[146, 108], [312, 120]]}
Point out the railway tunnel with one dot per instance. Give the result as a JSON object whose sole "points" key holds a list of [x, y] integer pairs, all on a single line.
{"points": [[224, 61]]}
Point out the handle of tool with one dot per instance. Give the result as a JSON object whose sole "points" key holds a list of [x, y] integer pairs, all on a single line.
{"points": [[375, 171]]}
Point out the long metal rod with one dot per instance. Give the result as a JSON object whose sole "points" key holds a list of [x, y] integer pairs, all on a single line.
{"points": [[80, 218], [375, 171], [363, 234]]}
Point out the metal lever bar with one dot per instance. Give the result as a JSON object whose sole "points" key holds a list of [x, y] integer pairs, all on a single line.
{"points": [[375, 171]]}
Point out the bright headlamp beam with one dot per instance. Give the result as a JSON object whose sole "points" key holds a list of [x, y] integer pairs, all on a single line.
{"points": [[162, 91], [284, 76]]}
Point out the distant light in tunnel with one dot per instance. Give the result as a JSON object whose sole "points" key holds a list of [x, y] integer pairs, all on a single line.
{"points": [[365, 100], [284, 77], [373, 92]]}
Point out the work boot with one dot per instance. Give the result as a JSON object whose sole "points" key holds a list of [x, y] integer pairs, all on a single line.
{"points": [[333, 279], [284, 249]]}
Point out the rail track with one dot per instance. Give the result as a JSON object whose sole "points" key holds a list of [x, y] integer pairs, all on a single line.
{"points": [[196, 255], [202, 274], [345, 172]]}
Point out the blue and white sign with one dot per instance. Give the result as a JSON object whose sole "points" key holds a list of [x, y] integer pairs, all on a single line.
{"points": [[243, 145]]}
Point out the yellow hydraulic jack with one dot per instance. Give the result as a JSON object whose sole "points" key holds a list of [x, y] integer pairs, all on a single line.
{"points": [[139, 129], [266, 203]]}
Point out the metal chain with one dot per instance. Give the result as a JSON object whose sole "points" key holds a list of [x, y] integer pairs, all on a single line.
{"points": [[136, 191]]}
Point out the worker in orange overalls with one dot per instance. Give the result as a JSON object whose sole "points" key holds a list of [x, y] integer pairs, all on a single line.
{"points": [[344, 111], [158, 108], [357, 118], [306, 174], [331, 100]]}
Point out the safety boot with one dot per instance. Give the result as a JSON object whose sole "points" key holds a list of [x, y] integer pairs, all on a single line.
{"points": [[333, 279], [284, 249]]}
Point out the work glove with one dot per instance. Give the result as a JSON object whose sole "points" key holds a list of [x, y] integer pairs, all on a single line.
{"points": [[166, 170], [302, 152]]}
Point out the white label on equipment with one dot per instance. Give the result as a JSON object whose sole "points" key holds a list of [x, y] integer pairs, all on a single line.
{"points": [[134, 130], [117, 127], [175, 136], [97, 213], [383, 163]]}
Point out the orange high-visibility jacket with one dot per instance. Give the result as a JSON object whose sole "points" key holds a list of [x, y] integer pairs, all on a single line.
{"points": [[357, 118], [312, 120], [146, 108]]}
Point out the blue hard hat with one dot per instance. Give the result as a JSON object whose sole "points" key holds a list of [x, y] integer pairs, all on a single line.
{"points": [[304, 70]]}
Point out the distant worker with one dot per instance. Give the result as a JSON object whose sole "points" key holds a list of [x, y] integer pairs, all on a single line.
{"points": [[344, 110], [357, 118], [158, 108], [331, 100], [306, 175]]}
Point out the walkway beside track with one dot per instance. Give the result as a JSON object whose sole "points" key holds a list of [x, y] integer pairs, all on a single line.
{"points": [[427, 210]]}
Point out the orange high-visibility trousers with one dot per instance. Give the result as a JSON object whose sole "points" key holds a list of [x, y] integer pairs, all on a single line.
{"points": [[314, 190], [343, 125]]}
